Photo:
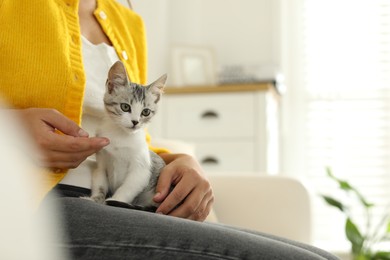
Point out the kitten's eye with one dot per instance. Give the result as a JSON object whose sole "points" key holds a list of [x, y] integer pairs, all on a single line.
{"points": [[146, 112], [125, 107]]}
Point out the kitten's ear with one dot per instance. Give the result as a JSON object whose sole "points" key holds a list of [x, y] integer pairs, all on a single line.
{"points": [[157, 87], [117, 76]]}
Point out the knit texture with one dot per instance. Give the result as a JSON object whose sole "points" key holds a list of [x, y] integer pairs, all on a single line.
{"points": [[41, 60]]}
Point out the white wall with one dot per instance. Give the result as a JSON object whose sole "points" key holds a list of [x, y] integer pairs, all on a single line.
{"points": [[156, 16], [241, 32]]}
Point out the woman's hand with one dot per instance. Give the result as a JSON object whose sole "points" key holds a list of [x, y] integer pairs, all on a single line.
{"points": [[191, 188], [59, 151]]}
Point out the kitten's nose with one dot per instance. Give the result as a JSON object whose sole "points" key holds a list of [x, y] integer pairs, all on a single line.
{"points": [[134, 122]]}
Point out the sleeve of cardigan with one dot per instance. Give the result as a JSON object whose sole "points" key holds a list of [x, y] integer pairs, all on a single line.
{"points": [[157, 150]]}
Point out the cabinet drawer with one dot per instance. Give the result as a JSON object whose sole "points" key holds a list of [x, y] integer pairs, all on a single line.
{"points": [[214, 115], [226, 156]]}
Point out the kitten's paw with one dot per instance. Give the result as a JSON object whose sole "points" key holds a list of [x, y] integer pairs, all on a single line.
{"points": [[97, 199], [86, 198], [116, 203], [113, 200], [120, 204]]}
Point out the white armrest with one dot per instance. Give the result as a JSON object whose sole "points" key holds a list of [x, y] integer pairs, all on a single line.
{"points": [[270, 204]]}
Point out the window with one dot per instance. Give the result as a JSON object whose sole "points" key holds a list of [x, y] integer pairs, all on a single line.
{"points": [[340, 74]]}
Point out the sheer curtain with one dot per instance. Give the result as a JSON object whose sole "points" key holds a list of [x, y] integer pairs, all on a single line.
{"points": [[337, 61]]}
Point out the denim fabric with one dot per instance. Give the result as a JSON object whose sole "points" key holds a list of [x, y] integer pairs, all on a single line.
{"points": [[95, 231]]}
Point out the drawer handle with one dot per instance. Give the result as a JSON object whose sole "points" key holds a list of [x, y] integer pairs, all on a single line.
{"points": [[210, 115], [210, 161]]}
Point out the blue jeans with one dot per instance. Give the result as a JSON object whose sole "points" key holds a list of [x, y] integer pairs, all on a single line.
{"points": [[94, 231]]}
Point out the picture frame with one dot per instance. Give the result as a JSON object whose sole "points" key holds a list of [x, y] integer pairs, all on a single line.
{"points": [[193, 66]]}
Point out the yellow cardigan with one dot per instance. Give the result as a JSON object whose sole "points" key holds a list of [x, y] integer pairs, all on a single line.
{"points": [[40, 55]]}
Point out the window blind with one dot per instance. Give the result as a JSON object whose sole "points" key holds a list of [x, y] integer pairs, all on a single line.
{"points": [[344, 77]]}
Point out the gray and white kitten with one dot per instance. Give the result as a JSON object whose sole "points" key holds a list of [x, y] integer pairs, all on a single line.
{"points": [[127, 168]]}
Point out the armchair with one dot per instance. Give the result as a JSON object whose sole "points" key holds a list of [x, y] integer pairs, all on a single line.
{"points": [[272, 204]]}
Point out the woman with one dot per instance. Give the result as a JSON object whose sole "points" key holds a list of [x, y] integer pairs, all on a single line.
{"points": [[54, 59]]}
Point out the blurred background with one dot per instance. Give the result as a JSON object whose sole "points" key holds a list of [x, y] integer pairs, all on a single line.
{"points": [[328, 65]]}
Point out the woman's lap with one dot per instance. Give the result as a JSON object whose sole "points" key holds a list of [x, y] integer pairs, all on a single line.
{"points": [[97, 231]]}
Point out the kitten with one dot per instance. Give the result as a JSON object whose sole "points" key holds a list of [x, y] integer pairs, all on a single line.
{"points": [[127, 168]]}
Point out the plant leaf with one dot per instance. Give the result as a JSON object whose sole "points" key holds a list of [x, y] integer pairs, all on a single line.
{"points": [[329, 172], [388, 227], [381, 256], [354, 236], [386, 236], [344, 185], [362, 199], [333, 202], [362, 257]]}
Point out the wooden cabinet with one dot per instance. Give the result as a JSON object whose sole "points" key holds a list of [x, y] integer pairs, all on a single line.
{"points": [[234, 128]]}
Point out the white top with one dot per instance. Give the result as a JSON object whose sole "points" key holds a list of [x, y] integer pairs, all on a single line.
{"points": [[97, 61]]}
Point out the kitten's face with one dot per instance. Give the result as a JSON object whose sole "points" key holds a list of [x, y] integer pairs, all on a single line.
{"points": [[131, 106]]}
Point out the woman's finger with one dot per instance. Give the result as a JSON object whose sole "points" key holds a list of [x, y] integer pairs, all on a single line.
{"points": [[190, 205], [177, 195], [58, 121], [195, 203], [204, 208], [69, 144], [167, 177], [63, 160]]}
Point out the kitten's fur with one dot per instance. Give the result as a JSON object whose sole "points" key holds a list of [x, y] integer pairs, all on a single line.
{"points": [[126, 168]]}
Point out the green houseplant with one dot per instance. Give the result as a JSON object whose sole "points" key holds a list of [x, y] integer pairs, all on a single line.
{"points": [[363, 240]]}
